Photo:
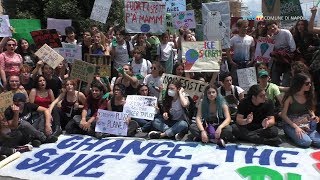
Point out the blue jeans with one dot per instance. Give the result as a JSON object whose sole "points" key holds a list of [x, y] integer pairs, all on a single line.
{"points": [[170, 127], [144, 124], [307, 139]]}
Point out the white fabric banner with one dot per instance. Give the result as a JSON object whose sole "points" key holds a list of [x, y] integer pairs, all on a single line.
{"points": [[82, 157]]}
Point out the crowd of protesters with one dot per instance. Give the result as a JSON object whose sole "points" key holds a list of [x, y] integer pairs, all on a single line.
{"points": [[47, 103]]}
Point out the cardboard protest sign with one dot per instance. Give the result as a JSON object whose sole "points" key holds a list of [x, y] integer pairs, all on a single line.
{"points": [[83, 71], [142, 107], [202, 56], [112, 122], [169, 23], [58, 24], [247, 77], [70, 52], [5, 26], [23, 27], [263, 49], [145, 16], [193, 87], [49, 56], [290, 12], [102, 62], [46, 36], [100, 10], [184, 19], [175, 5], [271, 8], [5, 101], [216, 22]]}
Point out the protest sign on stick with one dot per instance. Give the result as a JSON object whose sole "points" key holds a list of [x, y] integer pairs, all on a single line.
{"points": [[112, 122], [100, 10], [58, 24], [194, 88], [175, 5], [49, 56], [5, 26], [202, 56], [102, 62], [184, 19], [83, 71], [23, 27], [46, 36], [5, 101], [142, 107], [145, 16], [70, 52], [263, 49]]}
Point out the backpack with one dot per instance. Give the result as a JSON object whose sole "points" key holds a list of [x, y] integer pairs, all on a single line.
{"points": [[191, 110]]}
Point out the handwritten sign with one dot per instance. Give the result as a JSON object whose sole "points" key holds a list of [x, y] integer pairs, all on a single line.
{"points": [[4, 26], [193, 87], [263, 49], [175, 5], [100, 10], [142, 107], [145, 16], [46, 36], [169, 24], [58, 24], [5, 101], [202, 56], [102, 62], [216, 22], [70, 52], [23, 27], [247, 77], [82, 157], [184, 19], [112, 122], [83, 71], [49, 56]]}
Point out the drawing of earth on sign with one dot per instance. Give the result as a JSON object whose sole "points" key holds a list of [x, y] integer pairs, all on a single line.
{"points": [[263, 48], [145, 28]]}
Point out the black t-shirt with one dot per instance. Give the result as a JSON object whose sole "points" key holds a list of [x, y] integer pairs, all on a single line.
{"points": [[260, 112], [29, 85], [55, 85], [26, 114]]}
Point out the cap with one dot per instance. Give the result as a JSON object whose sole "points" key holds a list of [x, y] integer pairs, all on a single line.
{"points": [[263, 73], [19, 97]]}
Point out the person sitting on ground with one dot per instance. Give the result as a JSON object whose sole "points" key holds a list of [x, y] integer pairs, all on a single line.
{"points": [[232, 94], [127, 78], [255, 119], [272, 90], [19, 117], [213, 118], [15, 87], [298, 114], [173, 122]]}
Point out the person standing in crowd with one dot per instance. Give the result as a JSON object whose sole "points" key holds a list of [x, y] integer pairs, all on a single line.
{"points": [[154, 81], [298, 114], [10, 62], [178, 69], [27, 53], [233, 94], [140, 66], [98, 47], [243, 48], [282, 54], [213, 119], [86, 43], [173, 122], [70, 35], [165, 53], [121, 51], [255, 119]]}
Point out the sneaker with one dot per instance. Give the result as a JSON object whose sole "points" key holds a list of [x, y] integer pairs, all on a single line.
{"points": [[57, 132], [154, 135], [7, 151], [51, 139], [221, 143], [24, 148], [139, 130], [179, 136], [2, 157], [273, 141], [36, 143]]}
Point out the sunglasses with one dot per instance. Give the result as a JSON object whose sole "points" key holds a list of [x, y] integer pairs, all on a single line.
{"points": [[307, 83]]}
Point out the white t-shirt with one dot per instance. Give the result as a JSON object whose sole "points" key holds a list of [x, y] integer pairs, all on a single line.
{"points": [[284, 40], [151, 81], [166, 51], [121, 56], [241, 47], [143, 68]]}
